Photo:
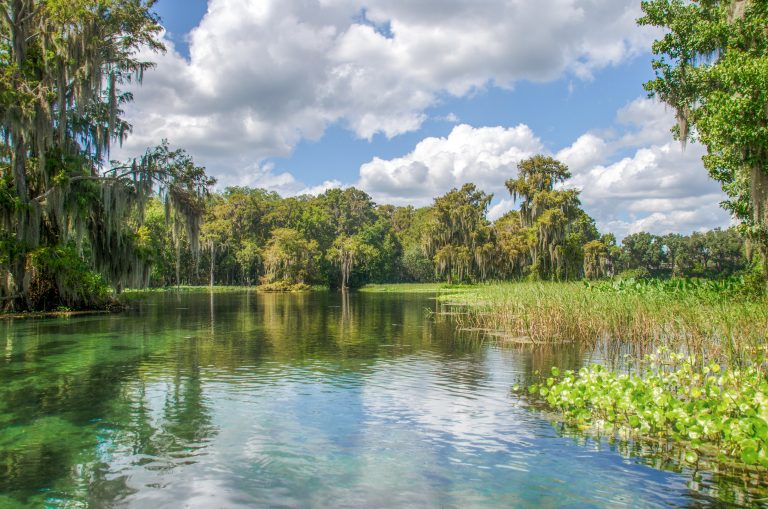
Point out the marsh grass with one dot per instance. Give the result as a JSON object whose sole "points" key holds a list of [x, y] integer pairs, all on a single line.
{"points": [[708, 323], [415, 288]]}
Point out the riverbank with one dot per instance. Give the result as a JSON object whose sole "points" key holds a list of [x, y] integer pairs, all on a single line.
{"points": [[51, 314], [138, 293], [415, 288]]}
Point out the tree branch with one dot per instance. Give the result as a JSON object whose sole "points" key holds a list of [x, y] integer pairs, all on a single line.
{"points": [[102, 178]]}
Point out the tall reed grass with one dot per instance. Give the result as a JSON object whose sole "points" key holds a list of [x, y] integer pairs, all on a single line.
{"points": [[711, 323]]}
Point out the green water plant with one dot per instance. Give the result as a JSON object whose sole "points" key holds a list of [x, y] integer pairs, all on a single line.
{"points": [[636, 321], [675, 399]]}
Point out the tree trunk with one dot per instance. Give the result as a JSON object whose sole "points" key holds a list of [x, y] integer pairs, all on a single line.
{"points": [[213, 262], [18, 263]]}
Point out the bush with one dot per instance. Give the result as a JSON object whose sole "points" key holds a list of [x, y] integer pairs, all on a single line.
{"points": [[284, 286], [61, 278], [640, 273]]}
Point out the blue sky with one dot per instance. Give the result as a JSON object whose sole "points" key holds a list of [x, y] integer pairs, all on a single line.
{"points": [[407, 100]]}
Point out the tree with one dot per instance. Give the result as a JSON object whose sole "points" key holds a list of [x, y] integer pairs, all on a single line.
{"points": [[598, 262], [248, 256], [348, 210], [289, 257], [581, 231], [673, 244], [409, 224], [726, 249], [457, 236], [62, 64], [642, 250], [385, 265], [712, 68], [547, 211], [347, 252], [514, 242]]}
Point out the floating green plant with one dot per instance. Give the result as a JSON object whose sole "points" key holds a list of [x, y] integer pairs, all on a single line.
{"points": [[714, 411]]}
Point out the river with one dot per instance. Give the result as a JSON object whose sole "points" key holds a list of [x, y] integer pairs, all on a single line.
{"points": [[242, 400]]}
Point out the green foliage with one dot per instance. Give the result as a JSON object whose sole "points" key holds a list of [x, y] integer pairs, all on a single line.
{"points": [[62, 278], [62, 66], [712, 68], [642, 250], [598, 259], [557, 228], [283, 285], [715, 253], [706, 408], [289, 257], [458, 237], [707, 289], [359, 243], [347, 252]]}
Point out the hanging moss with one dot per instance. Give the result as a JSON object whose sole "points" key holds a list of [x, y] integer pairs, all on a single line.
{"points": [[60, 108]]}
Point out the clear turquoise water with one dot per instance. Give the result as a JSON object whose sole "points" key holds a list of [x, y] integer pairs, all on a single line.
{"points": [[245, 400]]}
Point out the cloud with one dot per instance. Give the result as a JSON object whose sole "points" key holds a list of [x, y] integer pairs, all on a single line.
{"points": [[264, 74], [263, 176], [660, 188], [657, 187], [586, 151], [647, 121], [486, 156], [501, 208]]}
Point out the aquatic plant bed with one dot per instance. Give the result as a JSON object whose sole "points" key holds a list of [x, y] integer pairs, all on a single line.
{"points": [[714, 412], [702, 319]]}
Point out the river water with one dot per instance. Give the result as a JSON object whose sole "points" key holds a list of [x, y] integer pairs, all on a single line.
{"points": [[242, 400]]}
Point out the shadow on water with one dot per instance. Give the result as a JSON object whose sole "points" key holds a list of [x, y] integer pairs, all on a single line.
{"points": [[297, 400]]}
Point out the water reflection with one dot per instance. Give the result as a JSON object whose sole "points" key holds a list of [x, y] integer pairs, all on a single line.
{"points": [[299, 400]]}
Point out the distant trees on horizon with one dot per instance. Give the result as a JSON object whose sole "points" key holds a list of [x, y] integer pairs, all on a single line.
{"points": [[341, 238]]}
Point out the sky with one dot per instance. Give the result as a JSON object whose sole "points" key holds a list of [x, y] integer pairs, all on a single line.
{"points": [[407, 100]]}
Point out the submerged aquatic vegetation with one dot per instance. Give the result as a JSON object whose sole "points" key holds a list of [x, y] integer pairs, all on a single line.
{"points": [[714, 411]]}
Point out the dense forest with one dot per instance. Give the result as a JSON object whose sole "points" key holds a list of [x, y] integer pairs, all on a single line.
{"points": [[341, 238]]}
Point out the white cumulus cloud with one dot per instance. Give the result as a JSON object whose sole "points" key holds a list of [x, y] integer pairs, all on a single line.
{"points": [[634, 179], [486, 156], [264, 74]]}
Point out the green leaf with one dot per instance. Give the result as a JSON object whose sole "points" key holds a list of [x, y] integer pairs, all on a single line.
{"points": [[749, 456]]}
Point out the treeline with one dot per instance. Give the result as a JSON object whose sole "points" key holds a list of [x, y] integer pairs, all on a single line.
{"points": [[341, 238]]}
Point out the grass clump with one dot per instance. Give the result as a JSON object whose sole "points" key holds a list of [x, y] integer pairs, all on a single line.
{"points": [[414, 288], [675, 399], [697, 319]]}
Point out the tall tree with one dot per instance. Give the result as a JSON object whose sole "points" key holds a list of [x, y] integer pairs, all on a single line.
{"points": [[598, 262], [712, 68], [458, 236], [514, 244], [673, 244], [289, 257], [347, 253], [546, 210], [62, 64]]}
